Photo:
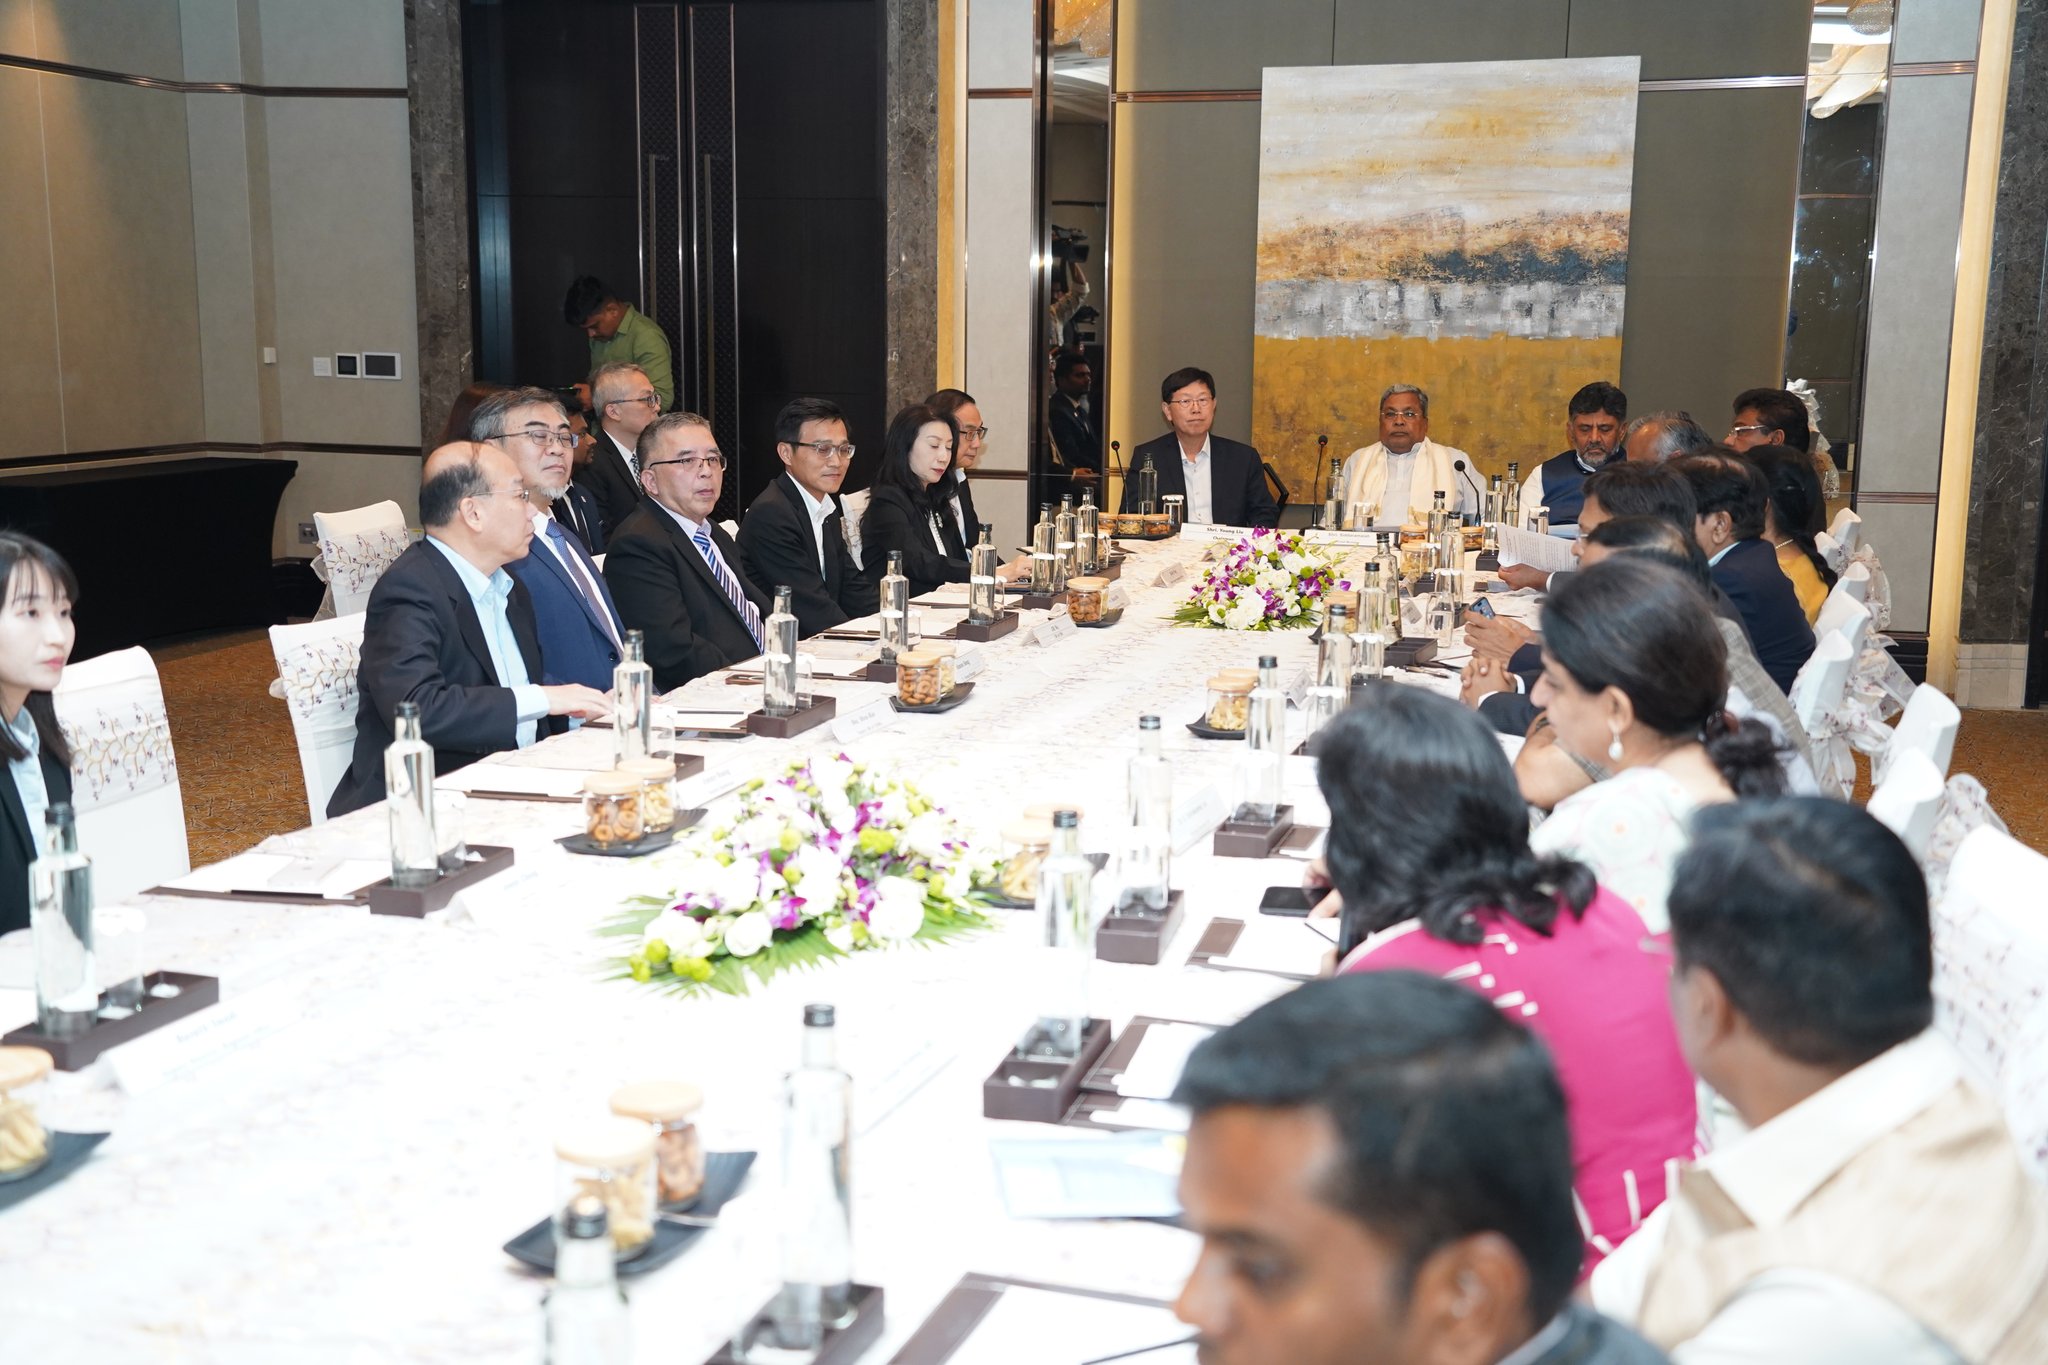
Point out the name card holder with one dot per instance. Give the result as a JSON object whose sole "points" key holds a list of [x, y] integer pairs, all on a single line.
{"points": [[1042, 1089], [1170, 575], [842, 1345], [1139, 936], [821, 710], [1117, 598], [1041, 601], [1003, 625], [417, 902], [1237, 838], [1411, 651], [1054, 629], [879, 670], [188, 995]]}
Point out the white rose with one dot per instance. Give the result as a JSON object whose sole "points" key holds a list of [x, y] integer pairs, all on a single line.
{"points": [[926, 835], [1293, 563], [899, 908], [681, 933], [817, 878], [960, 880], [840, 936], [736, 887], [1245, 613], [893, 811], [748, 934]]}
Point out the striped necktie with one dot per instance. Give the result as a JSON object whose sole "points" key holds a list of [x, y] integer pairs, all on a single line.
{"points": [[749, 613]]}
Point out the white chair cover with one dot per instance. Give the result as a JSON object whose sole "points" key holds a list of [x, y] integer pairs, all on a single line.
{"points": [[355, 549], [1908, 801], [856, 507], [1990, 975], [1852, 581], [1929, 727], [316, 670], [1834, 718], [1831, 550], [1843, 614], [124, 775], [1846, 530]]}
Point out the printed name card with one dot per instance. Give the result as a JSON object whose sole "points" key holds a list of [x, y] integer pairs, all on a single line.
{"points": [[865, 720], [1297, 688], [1195, 814], [968, 664], [1173, 573], [207, 1037], [1117, 599], [1054, 628]]}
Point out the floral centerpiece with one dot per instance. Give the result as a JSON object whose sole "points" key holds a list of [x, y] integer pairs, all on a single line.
{"points": [[829, 858], [1267, 581]]}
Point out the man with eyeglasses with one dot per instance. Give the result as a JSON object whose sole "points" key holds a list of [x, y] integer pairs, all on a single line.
{"points": [[580, 634], [619, 332], [450, 631], [1402, 472], [1224, 481], [676, 574], [625, 401], [794, 535]]}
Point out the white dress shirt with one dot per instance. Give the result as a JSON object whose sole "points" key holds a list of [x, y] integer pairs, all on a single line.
{"points": [[968, 534], [821, 512], [626, 454], [27, 772], [1201, 508], [489, 596], [1791, 1316]]}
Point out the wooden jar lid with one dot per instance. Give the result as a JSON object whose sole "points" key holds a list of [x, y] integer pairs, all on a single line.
{"points": [[649, 769], [617, 782], [21, 1066], [657, 1101], [611, 1143]]}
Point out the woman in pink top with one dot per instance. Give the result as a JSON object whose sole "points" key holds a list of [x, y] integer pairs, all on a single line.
{"points": [[1429, 851]]}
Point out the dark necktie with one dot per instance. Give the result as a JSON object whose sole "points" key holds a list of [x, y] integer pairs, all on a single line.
{"points": [[581, 578]]}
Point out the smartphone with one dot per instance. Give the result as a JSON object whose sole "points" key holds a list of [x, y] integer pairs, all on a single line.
{"points": [[1483, 607], [1288, 900]]}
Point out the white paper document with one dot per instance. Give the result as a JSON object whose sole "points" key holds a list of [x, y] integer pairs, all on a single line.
{"points": [[1047, 1327], [1161, 1056], [1113, 1175], [1157, 1115], [1285, 945], [558, 784], [1548, 553], [258, 873]]}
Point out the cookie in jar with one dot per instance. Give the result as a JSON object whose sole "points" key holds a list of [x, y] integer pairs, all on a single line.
{"points": [[669, 1109]]}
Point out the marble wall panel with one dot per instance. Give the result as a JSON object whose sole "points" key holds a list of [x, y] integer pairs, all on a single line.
{"points": [[1903, 535], [999, 44], [127, 293], [910, 134], [1936, 30], [1913, 282], [998, 281], [440, 207], [28, 345]]}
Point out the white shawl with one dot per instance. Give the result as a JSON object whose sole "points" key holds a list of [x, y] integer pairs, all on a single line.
{"points": [[1365, 479]]}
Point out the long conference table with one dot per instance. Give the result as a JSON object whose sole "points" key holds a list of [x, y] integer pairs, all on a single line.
{"points": [[324, 1166]]}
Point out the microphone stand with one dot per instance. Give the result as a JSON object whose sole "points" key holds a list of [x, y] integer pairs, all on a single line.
{"points": [[1478, 492]]}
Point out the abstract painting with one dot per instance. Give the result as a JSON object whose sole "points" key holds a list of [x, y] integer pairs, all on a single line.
{"points": [[1460, 226]]}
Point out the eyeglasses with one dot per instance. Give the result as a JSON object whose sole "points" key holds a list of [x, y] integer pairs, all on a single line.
{"points": [[1192, 404], [558, 436], [826, 450], [692, 463], [1752, 430], [1390, 414], [975, 433], [519, 491], [650, 398]]}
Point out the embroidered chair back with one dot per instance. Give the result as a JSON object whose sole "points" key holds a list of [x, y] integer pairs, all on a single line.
{"points": [[316, 677], [124, 774], [356, 547]]}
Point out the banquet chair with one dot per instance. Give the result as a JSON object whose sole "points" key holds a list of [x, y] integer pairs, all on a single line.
{"points": [[1908, 801], [316, 672], [1823, 682], [1928, 727], [356, 547], [856, 505], [1830, 550], [124, 775], [1854, 583], [1846, 530], [1843, 615], [1991, 978]]}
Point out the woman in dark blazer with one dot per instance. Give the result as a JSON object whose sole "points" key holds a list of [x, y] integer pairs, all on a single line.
{"points": [[36, 591], [906, 511], [969, 431]]}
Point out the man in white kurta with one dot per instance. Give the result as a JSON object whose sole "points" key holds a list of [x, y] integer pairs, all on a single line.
{"points": [[1401, 473]]}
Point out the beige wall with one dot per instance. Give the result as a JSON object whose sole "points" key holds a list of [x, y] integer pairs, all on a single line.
{"points": [[158, 240]]}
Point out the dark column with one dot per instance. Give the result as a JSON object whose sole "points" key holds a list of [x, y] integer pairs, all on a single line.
{"points": [[911, 139], [440, 205]]}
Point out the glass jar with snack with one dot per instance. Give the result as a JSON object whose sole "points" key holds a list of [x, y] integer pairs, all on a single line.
{"points": [[1230, 702], [917, 678], [24, 1142], [657, 778], [1025, 845], [613, 1159], [669, 1109], [612, 808], [1086, 599]]}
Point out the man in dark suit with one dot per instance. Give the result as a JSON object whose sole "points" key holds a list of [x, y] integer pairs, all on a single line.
{"points": [[625, 402], [675, 574], [1223, 481], [448, 629], [581, 639], [1353, 1139], [1730, 494], [1069, 415], [794, 535]]}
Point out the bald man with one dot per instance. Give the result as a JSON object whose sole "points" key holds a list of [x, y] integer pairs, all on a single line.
{"points": [[448, 629]]}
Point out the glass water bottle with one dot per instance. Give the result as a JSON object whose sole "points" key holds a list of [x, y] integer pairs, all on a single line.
{"points": [[817, 1191], [778, 663], [1438, 515], [1043, 557], [1511, 497], [60, 899], [1088, 533], [895, 609], [1066, 919], [632, 702], [1331, 691], [1333, 498], [1490, 517], [983, 601], [1064, 529], [1147, 855], [585, 1309], [409, 797], [1264, 735], [1147, 481]]}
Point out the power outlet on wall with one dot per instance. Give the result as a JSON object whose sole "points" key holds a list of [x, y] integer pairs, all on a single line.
{"points": [[307, 535]]}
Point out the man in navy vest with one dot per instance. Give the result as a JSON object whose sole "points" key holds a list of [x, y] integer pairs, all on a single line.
{"points": [[1592, 424]]}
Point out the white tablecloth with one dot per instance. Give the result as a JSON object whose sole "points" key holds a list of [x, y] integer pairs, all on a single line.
{"points": [[333, 1179]]}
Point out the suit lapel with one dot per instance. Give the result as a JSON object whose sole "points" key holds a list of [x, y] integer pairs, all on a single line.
{"points": [[694, 558], [17, 817], [541, 553], [466, 621]]}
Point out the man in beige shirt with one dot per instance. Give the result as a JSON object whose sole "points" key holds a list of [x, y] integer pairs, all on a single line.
{"points": [[1877, 1212]]}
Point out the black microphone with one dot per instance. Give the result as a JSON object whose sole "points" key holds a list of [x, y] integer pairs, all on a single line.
{"points": [[1459, 465], [1116, 463], [1322, 452]]}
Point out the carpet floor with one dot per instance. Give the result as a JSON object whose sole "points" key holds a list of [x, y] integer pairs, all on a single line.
{"points": [[240, 767]]}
